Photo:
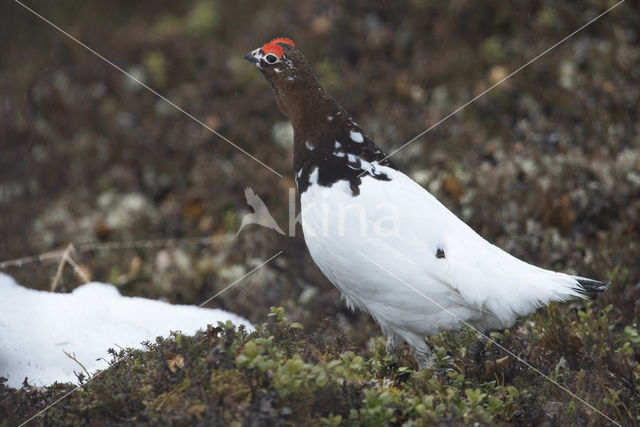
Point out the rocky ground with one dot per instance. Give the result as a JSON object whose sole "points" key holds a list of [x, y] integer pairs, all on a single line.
{"points": [[547, 166]]}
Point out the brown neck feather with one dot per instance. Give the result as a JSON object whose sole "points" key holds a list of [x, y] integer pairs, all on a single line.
{"points": [[325, 137], [316, 117]]}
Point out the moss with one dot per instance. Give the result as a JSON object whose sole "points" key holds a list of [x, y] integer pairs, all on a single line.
{"points": [[203, 18], [156, 65]]}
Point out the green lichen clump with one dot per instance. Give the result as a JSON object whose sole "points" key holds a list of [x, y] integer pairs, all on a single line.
{"points": [[282, 374]]}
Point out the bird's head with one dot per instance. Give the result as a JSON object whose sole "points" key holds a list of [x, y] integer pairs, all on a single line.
{"points": [[274, 58], [286, 69]]}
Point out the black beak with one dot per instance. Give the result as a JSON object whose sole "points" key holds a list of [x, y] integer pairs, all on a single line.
{"points": [[251, 58]]}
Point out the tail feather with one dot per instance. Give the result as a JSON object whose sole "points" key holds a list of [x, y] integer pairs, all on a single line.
{"points": [[589, 286]]}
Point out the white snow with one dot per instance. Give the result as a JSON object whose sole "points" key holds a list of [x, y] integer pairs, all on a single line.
{"points": [[36, 327]]}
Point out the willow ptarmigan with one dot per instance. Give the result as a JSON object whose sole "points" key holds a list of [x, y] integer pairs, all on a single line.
{"points": [[387, 244]]}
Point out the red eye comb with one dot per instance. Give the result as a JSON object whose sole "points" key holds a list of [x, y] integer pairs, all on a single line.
{"points": [[275, 48], [283, 40]]}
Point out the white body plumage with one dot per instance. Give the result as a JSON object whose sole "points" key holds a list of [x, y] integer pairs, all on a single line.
{"points": [[394, 250]]}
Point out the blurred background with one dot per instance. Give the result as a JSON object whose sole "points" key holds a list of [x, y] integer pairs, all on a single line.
{"points": [[547, 165]]}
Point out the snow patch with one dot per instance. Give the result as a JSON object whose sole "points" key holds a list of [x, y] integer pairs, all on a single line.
{"points": [[36, 327]]}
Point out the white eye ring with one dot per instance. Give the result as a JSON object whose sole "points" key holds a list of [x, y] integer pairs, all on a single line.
{"points": [[271, 58]]}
